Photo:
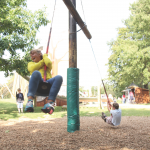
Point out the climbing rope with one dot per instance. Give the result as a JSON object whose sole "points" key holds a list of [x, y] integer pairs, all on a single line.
{"points": [[45, 68], [94, 56], [83, 11], [99, 72]]}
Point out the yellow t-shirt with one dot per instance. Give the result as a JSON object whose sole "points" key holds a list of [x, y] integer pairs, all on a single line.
{"points": [[32, 66]]}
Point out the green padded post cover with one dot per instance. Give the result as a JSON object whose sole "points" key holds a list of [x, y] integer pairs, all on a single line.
{"points": [[73, 99]]}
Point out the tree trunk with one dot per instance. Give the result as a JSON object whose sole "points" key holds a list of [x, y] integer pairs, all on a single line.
{"points": [[55, 68]]}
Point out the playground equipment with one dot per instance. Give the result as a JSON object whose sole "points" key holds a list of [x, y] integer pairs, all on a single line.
{"points": [[20, 82], [8, 90], [63, 101], [44, 87], [5, 91], [73, 72], [141, 95], [82, 94]]}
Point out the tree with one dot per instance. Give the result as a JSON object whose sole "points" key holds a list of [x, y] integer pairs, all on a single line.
{"points": [[18, 28], [138, 25], [94, 91], [109, 88], [130, 59], [56, 61]]}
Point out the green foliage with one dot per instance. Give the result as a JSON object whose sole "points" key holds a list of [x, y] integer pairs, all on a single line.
{"points": [[18, 28], [81, 89], [109, 88], [130, 58], [94, 91]]}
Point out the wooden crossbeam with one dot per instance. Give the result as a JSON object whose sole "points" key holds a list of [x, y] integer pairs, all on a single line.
{"points": [[77, 18]]}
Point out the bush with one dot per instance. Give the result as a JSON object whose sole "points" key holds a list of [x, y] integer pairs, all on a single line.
{"points": [[119, 101]]}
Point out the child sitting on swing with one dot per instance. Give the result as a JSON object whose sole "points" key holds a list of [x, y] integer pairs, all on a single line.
{"points": [[36, 69], [115, 117]]}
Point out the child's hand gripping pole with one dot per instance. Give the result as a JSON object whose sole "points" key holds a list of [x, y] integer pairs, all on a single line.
{"points": [[108, 102], [47, 53]]}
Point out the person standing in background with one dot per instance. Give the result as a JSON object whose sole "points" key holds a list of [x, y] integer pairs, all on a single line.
{"points": [[19, 100], [123, 98], [131, 96]]}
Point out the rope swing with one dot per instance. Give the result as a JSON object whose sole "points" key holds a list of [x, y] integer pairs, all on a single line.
{"points": [[44, 87], [45, 68], [100, 75]]}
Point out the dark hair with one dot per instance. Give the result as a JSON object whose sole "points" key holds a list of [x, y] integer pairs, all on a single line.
{"points": [[116, 105]]}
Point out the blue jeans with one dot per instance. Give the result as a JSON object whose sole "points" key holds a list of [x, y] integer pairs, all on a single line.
{"points": [[36, 78]]}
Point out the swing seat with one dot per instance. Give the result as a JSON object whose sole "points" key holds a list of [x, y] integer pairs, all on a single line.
{"points": [[43, 89]]}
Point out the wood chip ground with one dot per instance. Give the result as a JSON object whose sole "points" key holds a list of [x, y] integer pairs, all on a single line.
{"points": [[94, 134]]}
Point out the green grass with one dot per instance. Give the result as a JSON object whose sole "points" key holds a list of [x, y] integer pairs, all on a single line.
{"points": [[94, 111], [8, 110], [119, 101], [146, 104]]}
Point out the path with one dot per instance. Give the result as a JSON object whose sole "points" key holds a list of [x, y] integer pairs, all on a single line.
{"points": [[128, 105]]}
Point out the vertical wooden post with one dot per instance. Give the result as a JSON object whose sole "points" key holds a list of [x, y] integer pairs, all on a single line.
{"points": [[72, 40], [19, 80], [72, 78], [99, 97]]}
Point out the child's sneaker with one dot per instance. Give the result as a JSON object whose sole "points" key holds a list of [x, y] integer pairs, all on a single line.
{"points": [[29, 106], [104, 116], [48, 108]]}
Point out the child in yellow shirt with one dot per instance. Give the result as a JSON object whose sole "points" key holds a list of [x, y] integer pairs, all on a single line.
{"points": [[36, 69]]}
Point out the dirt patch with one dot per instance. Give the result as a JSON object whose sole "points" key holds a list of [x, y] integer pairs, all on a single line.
{"points": [[94, 134]]}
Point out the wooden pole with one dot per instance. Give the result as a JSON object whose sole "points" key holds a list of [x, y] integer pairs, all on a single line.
{"points": [[72, 78], [72, 40], [70, 5], [99, 97]]}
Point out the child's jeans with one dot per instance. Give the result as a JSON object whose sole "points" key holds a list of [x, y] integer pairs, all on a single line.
{"points": [[109, 120], [36, 78]]}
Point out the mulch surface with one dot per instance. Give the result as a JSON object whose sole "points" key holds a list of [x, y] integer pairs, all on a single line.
{"points": [[94, 134]]}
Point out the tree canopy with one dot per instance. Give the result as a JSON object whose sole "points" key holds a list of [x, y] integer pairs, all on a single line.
{"points": [[130, 58], [18, 28]]}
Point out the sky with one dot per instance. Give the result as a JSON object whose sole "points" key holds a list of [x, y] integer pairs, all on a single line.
{"points": [[102, 19]]}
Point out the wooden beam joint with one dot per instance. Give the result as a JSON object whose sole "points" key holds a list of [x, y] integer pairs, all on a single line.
{"points": [[77, 18]]}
